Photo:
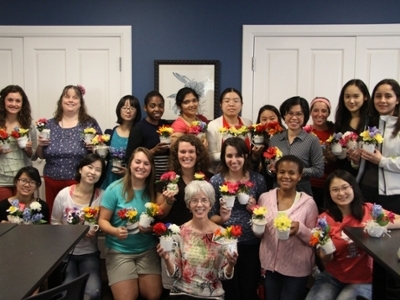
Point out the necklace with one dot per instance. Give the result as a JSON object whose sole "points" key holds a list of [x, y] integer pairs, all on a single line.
{"points": [[187, 120]]}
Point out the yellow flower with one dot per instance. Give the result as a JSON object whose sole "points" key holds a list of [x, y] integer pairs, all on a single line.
{"points": [[329, 140], [223, 130], [199, 176], [12, 209], [23, 131], [89, 130], [279, 154], [223, 189], [282, 222], [165, 130], [260, 211], [131, 214], [379, 138]]}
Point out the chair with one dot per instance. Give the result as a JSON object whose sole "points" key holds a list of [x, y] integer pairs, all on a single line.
{"points": [[73, 290]]}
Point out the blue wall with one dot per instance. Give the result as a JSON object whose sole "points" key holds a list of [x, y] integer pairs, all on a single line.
{"points": [[193, 29]]}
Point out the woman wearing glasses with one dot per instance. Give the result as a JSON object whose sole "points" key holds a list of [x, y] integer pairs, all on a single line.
{"points": [[348, 270], [26, 182], [128, 114], [231, 102]]}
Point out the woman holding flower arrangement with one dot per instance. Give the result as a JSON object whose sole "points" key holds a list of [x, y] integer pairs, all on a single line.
{"points": [[348, 270], [133, 266], [128, 114], [65, 148], [26, 182], [199, 263], [15, 117], [289, 262], [78, 204], [234, 172]]}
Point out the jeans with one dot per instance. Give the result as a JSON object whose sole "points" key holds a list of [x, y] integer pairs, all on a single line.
{"points": [[86, 263], [327, 287], [282, 287]]}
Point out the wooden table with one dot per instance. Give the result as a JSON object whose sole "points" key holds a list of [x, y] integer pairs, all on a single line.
{"points": [[6, 227], [384, 252], [29, 253]]}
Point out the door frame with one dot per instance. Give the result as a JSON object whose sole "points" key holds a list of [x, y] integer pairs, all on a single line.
{"points": [[122, 32], [250, 32]]}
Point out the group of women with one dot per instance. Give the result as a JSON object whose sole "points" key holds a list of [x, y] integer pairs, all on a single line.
{"points": [[307, 179]]}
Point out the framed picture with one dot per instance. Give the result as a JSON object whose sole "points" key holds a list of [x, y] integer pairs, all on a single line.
{"points": [[201, 75]]}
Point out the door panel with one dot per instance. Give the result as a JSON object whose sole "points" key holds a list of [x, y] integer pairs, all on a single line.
{"points": [[11, 62]]}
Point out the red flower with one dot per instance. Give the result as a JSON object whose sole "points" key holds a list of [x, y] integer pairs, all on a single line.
{"points": [[15, 134], [122, 213], [3, 134], [169, 176], [273, 128], [270, 153], [313, 241], [236, 230], [159, 228]]}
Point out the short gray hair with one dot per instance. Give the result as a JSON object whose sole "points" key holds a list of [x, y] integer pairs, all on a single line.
{"points": [[197, 186]]}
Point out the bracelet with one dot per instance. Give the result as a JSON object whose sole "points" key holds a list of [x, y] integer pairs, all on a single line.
{"points": [[170, 203]]}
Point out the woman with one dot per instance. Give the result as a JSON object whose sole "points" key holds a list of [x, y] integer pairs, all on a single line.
{"points": [[15, 111], [236, 167], [348, 271], [144, 133], [128, 114], [231, 103], [65, 149], [187, 101], [352, 115], [323, 129], [198, 263], [85, 258], [133, 266], [287, 263], [266, 114], [379, 171], [296, 141], [26, 182]]}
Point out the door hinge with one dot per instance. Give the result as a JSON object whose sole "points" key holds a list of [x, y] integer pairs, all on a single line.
{"points": [[120, 64]]}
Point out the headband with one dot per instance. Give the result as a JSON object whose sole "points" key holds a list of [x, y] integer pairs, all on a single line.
{"points": [[321, 99]]}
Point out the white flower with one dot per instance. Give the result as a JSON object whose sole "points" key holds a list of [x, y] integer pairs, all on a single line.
{"points": [[35, 205], [147, 205], [174, 228]]}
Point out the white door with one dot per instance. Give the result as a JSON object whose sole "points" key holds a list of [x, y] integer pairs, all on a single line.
{"points": [[11, 62], [300, 66]]}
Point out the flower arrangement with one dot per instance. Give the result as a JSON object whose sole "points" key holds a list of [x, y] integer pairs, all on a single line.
{"points": [[371, 136], [236, 131], [320, 234], [350, 136], [153, 209], [229, 188], [197, 127], [73, 215], [308, 128], [282, 222], [273, 128], [244, 187], [118, 154], [41, 124], [166, 230], [19, 132], [4, 136], [165, 131], [273, 153], [380, 216], [90, 214], [336, 138], [199, 176], [170, 177], [259, 212], [257, 129], [228, 234], [101, 139], [129, 214], [20, 213], [89, 130]]}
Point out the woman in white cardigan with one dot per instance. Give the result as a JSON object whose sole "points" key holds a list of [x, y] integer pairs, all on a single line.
{"points": [[231, 102]]}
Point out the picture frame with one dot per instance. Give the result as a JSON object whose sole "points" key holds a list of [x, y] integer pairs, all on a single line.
{"points": [[201, 75]]}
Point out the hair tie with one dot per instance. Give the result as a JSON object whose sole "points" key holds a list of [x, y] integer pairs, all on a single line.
{"points": [[81, 89]]}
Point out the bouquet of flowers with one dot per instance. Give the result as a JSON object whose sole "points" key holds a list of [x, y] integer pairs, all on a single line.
{"points": [[350, 138], [128, 214], [320, 237], [258, 220], [172, 178], [227, 235], [244, 187], [152, 209], [166, 230], [371, 136], [258, 129], [89, 130], [273, 128], [4, 136], [41, 124], [259, 212], [282, 222], [229, 188], [273, 153], [336, 138], [165, 131], [20, 213], [73, 215], [199, 176], [235, 131], [19, 132], [197, 127], [90, 214], [101, 139], [118, 154]]}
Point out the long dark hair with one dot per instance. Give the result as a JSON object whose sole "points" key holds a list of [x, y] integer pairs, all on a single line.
{"points": [[241, 148], [24, 116], [270, 108], [87, 160], [356, 206]]}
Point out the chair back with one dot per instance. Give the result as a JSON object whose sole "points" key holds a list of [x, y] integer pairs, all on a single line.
{"points": [[73, 290]]}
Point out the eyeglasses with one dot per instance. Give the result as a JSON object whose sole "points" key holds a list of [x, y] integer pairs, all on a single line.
{"points": [[126, 108], [197, 201], [295, 114], [343, 189], [234, 101], [24, 181]]}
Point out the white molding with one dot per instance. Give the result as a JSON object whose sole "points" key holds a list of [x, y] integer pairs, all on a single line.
{"points": [[250, 32]]}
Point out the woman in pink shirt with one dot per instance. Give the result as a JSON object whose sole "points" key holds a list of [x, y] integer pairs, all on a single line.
{"points": [[287, 263]]}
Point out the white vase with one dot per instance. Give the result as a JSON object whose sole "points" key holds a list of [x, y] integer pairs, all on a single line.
{"points": [[172, 187], [328, 247], [45, 134], [5, 146], [258, 227], [231, 246], [258, 139], [243, 198], [132, 228], [14, 219], [101, 150], [22, 142], [283, 235], [376, 231], [167, 243], [116, 165], [352, 145], [93, 226], [369, 147], [145, 220], [165, 140], [336, 149], [229, 201], [88, 138]]}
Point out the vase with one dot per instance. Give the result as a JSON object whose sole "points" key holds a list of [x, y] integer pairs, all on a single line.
{"points": [[369, 147], [45, 134], [336, 149], [101, 150], [132, 228], [229, 200], [5, 146], [258, 226], [243, 198], [165, 139], [343, 155], [116, 165], [352, 145], [283, 234], [93, 226], [328, 247], [88, 138], [258, 139], [167, 243], [22, 142], [376, 230], [231, 246], [14, 219], [145, 220]]}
